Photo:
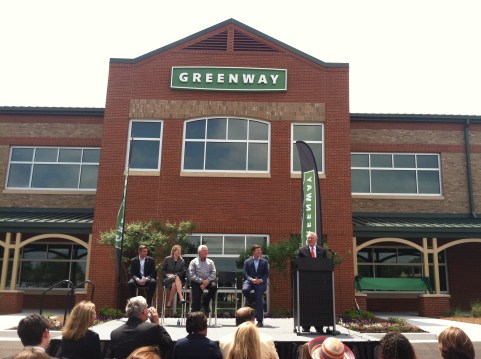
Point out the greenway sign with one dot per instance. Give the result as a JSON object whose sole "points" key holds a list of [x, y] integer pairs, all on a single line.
{"points": [[228, 79]]}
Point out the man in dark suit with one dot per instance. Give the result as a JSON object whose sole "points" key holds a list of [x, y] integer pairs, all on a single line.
{"points": [[312, 250], [256, 272], [143, 274], [138, 332]]}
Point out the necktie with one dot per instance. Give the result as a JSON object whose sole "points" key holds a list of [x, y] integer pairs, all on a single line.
{"points": [[313, 254]]}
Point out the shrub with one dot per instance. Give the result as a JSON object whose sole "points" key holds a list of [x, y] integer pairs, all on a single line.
{"points": [[357, 314], [110, 312], [476, 309]]}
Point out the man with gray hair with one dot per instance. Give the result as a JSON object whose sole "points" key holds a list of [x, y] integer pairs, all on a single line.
{"points": [[137, 331], [202, 276]]}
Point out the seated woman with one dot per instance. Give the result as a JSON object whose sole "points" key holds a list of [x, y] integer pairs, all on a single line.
{"points": [[246, 343], [173, 272], [78, 341], [454, 343]]}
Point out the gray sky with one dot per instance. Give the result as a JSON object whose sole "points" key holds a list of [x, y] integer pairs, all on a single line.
{"points": [[408, 56]]}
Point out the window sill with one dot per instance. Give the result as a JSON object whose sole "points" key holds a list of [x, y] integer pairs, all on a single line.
{"points": [[143, 173], [55, 191], [388, 196], [225, 174]]}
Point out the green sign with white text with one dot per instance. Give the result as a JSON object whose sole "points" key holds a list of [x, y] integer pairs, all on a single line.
{"points": [[228, 79], [309, 209]]}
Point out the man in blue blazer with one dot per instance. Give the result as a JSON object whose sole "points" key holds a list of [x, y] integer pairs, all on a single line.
{"points": [[256, 272], [143, 274]]}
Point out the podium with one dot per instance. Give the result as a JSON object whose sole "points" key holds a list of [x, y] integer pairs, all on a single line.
{"points": [[314, 303]]}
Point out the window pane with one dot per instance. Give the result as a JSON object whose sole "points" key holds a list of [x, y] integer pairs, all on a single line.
{"points": [[195, 129], [216, 128], [19, 175], [317, 151], [427, 161], [307, 133], [22, 154], [69, 155], [296, 161], [91, 155], [194, 156], [429, 182], [364, 256], [194, 242], [365, 271], [46, 155], [88, 177], [79, 252], [393, 181], [35, 251], [409, 256], [234, 244], [398, 271], [237, 129], [145, 154], [226, 156], [213, 243], [59, 251], [251, 240], [359, 160], [78, 272], [258, 131], [385, 255], [55, 176], [381, 160], [257, 157], [360, 181], [404, 161], [225, 264], [55, 272], [146, 129]]}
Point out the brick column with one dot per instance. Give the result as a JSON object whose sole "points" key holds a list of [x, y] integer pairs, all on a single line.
{"points": [[361, 300], [11, 301], [433, 305]]}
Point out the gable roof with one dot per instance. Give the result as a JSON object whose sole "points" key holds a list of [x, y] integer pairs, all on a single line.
{"points": [[218, 42]]}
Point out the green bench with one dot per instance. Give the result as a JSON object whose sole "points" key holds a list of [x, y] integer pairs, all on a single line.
{"points": [[418, 284]]}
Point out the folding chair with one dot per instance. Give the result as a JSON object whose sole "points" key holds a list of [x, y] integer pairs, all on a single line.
{"points": [[226, 284]]}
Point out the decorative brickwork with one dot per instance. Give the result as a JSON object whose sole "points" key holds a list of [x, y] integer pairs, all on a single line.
{"points": [[11, 301]]}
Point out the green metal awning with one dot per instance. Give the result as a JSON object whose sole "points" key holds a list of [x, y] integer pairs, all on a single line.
{"points": [[416, 226], [46, 220]]}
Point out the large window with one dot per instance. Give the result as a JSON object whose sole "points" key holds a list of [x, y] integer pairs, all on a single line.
{"points": [[398, 262], [313, 135], [395, 173], [42, 265], [226, 144], [49, 168], [145, 145]]}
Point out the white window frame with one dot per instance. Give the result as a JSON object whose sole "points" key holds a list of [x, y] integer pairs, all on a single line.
{"points": [[322, 142], [130, 138], [205, 140]]}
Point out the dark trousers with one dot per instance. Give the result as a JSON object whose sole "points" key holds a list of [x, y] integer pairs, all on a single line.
{"points": [[150, 285], [257, 296], [197, 296]]}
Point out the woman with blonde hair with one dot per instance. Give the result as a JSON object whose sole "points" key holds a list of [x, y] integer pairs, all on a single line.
{"points": [[148, 352], [454, 343], [78, 341], [173, 272], [246, 343]]}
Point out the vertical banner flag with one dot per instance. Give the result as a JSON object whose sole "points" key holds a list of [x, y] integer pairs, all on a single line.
{"points": [[119, 234], [311, 203]]}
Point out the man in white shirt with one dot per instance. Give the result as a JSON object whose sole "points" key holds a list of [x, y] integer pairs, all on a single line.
{"points": [[202, 276], [34, 333], [244, 314]]}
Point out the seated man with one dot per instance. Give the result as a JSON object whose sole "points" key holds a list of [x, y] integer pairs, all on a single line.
{"points": [[34, 333], [256, 272], [202, 276], [137, 331], [142, 274]]}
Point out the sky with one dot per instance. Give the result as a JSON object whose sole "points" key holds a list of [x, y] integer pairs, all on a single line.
{"points": [[407, 56]]}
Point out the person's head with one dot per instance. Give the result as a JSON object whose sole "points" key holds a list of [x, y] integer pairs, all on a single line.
{"points": [[32, 353], [329, 348], [196, 322], [33, 330], [143, 251], [244, 314], [137, 307], [145, 353], [311, 239], [82, 317], [202, 251], [454, 343], [176, 251], [256, 251], [395, 345], [246, 342]]}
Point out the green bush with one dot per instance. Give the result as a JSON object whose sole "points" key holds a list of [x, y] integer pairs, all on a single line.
{"points": [[357, 314], [397, 320], [476, 309], [110, 312]]}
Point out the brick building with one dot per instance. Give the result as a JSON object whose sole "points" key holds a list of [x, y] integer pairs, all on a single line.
{"points": [[212, 120]]}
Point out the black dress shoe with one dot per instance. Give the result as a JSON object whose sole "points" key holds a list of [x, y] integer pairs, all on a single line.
{"points": [[319, 330], [259, 324], [306, 329]]}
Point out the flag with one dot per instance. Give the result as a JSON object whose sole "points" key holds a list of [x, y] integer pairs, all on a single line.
{"points": [[119, 232], [311, 202]]}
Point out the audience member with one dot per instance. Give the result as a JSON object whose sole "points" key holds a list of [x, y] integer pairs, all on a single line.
{"points": [[395, 345], [145, 353], [267, 347], [196, 345], [32, 353], [143, 274], [33, 331], [256, 272], [137, 331], [78, 341], [454, 343], [246, 343], [202, 276], [330, 348], [173, 273]]}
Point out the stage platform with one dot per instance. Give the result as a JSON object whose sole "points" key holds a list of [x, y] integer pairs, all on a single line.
{"points": [[281, 330]]}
